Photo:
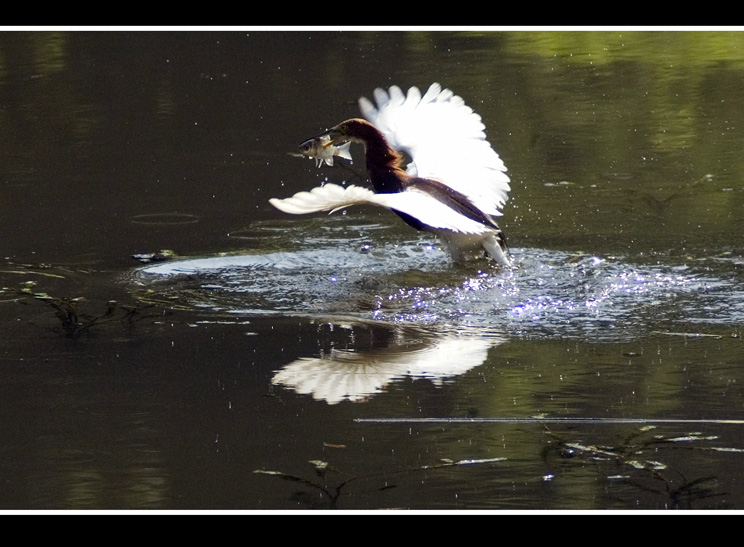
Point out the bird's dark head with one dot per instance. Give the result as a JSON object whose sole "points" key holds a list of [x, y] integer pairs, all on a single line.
{"points": [[354, 130]]}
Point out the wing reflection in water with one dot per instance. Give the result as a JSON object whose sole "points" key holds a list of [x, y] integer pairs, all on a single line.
{"points": [[352, 375]]}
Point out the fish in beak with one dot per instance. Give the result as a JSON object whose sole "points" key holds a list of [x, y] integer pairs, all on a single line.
{"points": [[323, 147]]}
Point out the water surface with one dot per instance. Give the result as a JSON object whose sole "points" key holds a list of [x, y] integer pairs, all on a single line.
{"points": [[346, 350]]}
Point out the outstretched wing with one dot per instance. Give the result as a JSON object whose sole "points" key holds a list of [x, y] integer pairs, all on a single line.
{"points": [[445, 139], [424, 207]]}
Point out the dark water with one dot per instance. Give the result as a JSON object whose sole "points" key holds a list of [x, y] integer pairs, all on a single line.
{"points": [[341, 362]]}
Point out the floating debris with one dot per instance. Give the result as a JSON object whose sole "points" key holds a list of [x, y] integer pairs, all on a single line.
{"points": [[158, 256]]}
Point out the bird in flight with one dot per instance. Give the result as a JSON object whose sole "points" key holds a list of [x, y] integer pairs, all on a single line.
{"points": [[454, 184]]}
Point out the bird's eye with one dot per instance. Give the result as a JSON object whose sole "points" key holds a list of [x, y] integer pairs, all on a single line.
{"points": [[344, 127]]}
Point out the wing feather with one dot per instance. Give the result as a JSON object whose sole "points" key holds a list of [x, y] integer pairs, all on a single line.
{"points": [[445, 139], [420, 205]]}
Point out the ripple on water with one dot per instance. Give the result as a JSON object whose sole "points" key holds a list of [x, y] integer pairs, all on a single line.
{"points": [[551, 294]]}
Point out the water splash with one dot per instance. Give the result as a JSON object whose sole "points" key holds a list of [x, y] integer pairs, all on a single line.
{"points": [[551, 294]]}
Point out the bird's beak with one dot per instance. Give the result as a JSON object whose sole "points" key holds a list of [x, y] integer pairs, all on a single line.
{"points": [[335, 136]]}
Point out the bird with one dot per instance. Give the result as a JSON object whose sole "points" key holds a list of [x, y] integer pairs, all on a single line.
{"points": [[429, 161]]}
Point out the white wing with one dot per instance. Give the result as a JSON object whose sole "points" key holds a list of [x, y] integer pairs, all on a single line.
{"points": [[422, 206], [445, 140]]}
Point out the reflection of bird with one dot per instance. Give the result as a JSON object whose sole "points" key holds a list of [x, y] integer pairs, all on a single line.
{"points": [[454, 186], [356, 376]]}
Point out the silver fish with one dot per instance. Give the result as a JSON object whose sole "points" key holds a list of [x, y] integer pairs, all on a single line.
{"points": [[320, 149]]}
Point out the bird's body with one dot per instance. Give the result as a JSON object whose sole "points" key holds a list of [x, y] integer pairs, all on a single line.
{"points": [[454, 186]]}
